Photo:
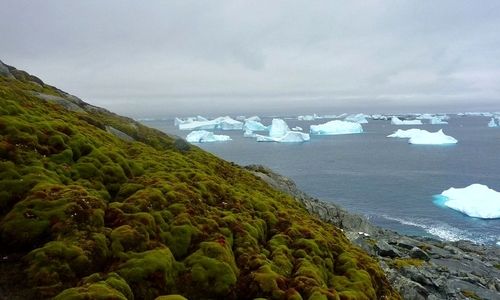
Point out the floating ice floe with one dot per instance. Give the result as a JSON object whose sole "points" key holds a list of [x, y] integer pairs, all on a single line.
{"points": [[297, 128], [359, 118], [424, 137], [492, 123], [203, 136], [336, 127], [476, 200], [254, 126], [222, 123], [398, 121]]}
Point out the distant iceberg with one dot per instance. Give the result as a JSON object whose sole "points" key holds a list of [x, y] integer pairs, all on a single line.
{"points": [[492, 123], [476, 200], [203, 136], [289, 137], [424, 137], [200, 123], [398, 121], [336, 127], [359, 118], [308, 117], [378, 117], [254, 126], [437, 120], [281, 133], [249, 134], [278, 128], [432, 138], [253, 118], [406, 134]]}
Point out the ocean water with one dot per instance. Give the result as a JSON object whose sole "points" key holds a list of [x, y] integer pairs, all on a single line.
{"points": [[386, 179]]}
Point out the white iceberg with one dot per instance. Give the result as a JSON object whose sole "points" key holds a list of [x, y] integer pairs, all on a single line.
{"points": [[336, 127], [378, 117], [278, 128], [240, 118], [297, 128], [308, 117], [222, 123], [253, 118], [424, 137], [476, 200], [289, 137], [437, 120], [228, 123], [203, 136], [254, 126], [432, 138], [249, 134], [359, 118], [198, 125], [398, 121], [492, 123], [406, 134]]}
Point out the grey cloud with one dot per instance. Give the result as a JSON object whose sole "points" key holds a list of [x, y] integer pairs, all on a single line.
{"points": [[178, 57]]}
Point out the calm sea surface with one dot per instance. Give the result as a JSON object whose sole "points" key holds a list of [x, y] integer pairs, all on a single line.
{"points": [[386, 179]]}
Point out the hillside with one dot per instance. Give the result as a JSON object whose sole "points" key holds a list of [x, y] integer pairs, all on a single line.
{"points": [[95, 205]]}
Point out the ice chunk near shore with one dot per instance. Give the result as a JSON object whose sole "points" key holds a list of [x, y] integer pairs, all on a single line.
{"points": [[476, 200], [278, 128], [359, 118], [203, 136], [336, 127], [254, 126], [492, 123], [432, 138], [289, 137], [398, 121]]}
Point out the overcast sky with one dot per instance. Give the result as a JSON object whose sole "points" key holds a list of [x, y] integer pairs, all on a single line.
{"points": [[165, 58]]}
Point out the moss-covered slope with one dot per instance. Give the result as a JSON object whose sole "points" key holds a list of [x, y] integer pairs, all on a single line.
{"points": [[140, 214]]}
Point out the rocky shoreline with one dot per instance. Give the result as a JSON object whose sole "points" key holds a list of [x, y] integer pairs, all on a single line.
{"points": [[418, 267]]}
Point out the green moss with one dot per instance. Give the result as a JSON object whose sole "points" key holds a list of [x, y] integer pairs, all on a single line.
{"points": [[150, 273], [470, 295], [57, 264], [168, 217], [213, 269], [171, 297], [406, 262], [98, 286]]}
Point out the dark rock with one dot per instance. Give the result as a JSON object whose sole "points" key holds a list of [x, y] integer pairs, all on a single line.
{"points": [[384, 249], [4, 71], [418, 253], [119, 134]]}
